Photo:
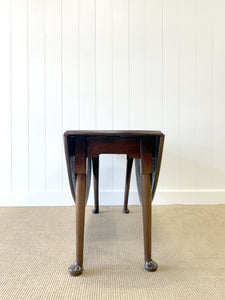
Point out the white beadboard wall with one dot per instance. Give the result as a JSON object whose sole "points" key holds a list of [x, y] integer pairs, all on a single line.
{"points": [[112, 64]]}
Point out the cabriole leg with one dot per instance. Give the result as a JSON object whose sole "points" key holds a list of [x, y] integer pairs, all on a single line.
{"points": [[150, 265], [77, 268]]}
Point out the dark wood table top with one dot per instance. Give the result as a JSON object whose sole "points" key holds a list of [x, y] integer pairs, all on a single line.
{"points": [[121, 133]]}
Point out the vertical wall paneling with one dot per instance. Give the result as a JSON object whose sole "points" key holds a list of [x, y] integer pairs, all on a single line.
{"points": [[154, 79], [154, 65], [5, 101], [53, 96], [120, 65], [137, 30], [19, 80], [104, 81], [187, 93], [70, 71], [219, 93], [121, 105], [104, 63], [112, 64], [171, 105], [204, 84], [137, 69], [36, 68], [86, 67], [70, 64]]}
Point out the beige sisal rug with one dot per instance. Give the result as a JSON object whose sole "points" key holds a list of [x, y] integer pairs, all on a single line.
{"points": [[37, 245]]}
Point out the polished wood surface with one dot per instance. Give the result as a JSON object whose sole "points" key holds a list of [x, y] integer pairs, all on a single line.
{"points": [[121, 133], [146, 146]]}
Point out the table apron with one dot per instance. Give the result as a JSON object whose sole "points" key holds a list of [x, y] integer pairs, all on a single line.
{"points": [[113, 145]]}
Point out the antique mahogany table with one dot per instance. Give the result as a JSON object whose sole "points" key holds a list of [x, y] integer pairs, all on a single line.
{"points": [[82, 147]]}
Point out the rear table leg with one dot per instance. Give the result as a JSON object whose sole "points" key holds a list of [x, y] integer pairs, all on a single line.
{"points": [[96, 184], [127, 184]]}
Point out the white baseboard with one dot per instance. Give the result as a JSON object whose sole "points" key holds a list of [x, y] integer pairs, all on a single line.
{"points": [[112, 198]]}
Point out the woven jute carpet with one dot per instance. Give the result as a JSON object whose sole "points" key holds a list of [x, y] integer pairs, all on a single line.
{"points": [[37, 244]]}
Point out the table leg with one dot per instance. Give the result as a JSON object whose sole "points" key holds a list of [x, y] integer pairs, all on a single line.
{"points": [[150, 265], [96, 184], [77, 268], [146, 193], [127, 184]]}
